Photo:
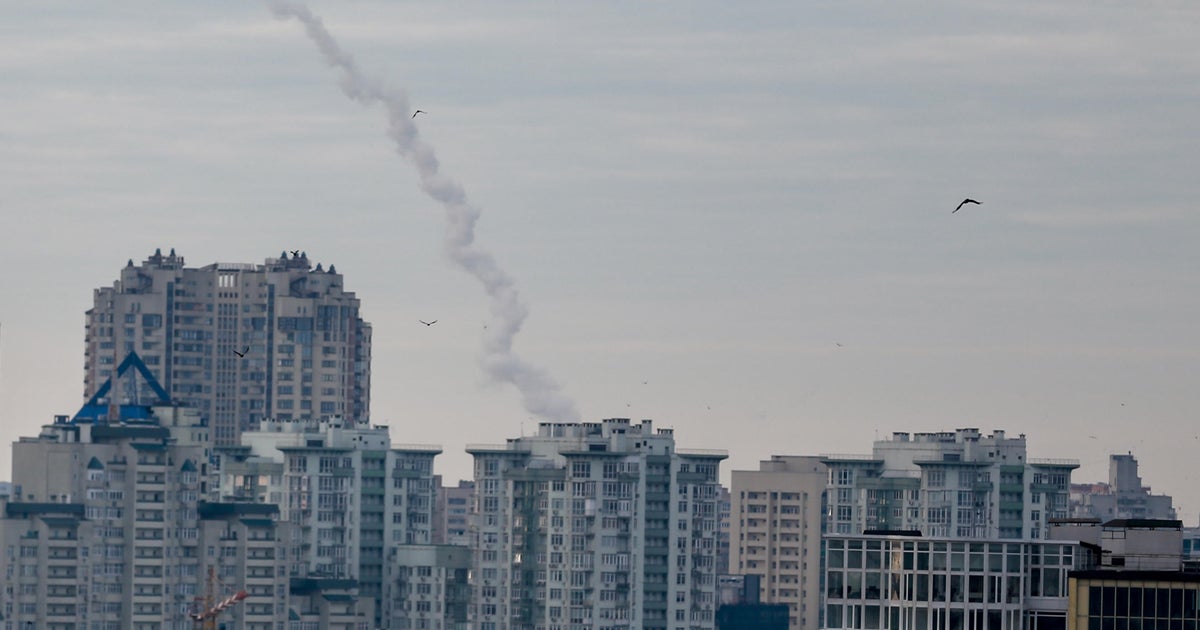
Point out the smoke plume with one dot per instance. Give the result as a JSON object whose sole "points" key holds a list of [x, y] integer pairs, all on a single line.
{"points": [[539, 393]]}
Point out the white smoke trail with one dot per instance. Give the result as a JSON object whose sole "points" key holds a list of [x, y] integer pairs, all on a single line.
{"points": [[539, 393]]}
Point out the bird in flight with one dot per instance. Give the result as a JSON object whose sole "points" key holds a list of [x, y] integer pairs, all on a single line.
{"points": [[419, 111], [296, 253], [427, 323], [242, 354], [965, 202]]}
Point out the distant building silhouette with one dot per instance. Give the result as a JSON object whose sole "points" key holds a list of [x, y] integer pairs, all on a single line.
{"points": [[1123, 496], [452, 513]]}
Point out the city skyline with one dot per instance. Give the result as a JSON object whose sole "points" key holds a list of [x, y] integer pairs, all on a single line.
{"points": [[752, 208]]}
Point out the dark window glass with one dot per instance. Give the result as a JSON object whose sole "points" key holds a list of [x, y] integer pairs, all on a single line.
{"points": [[975, 588], [833, 615], [1050, 583]]}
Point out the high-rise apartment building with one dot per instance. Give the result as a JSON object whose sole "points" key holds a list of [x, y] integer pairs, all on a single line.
{"points": [[775, 533], [104, 521], [597, 525], [350, 496], [238, 342], [951, 484]]}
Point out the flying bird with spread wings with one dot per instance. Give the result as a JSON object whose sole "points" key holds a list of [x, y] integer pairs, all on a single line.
{"points": [[427, 323], [296, 253], [242, 354], [965, 202], [419, 111]]}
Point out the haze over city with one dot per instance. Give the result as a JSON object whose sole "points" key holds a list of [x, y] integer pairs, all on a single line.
{"points": [[733, 220]]}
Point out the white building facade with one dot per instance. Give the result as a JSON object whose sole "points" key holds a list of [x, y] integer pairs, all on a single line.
{"points": [[596, 525], [349, 495], [952, 484]]}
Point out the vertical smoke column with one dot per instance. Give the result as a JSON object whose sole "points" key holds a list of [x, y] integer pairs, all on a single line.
{"points": [[539, 393]]}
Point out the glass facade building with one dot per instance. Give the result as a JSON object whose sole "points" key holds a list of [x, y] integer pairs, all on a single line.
{"points": [[890, 582], [1134, 600]]}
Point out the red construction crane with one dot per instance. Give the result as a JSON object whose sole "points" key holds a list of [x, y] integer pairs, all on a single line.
{"points": [[206, 617]]}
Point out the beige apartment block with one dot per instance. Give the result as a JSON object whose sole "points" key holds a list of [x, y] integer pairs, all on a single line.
{"points": [[775, 532]]}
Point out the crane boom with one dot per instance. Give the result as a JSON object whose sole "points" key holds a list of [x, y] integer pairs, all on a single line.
{"points": [[207, 616]]}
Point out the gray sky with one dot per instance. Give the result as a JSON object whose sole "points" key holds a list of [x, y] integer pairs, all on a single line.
{"points": [[698, 202]]}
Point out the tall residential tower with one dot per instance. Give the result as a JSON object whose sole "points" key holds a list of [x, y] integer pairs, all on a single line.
{"points": [[775, 533], [238, 342], [598, 525], [351, 496]]}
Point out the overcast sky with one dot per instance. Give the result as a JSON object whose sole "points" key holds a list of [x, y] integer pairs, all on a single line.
{"points": [[699, 202]]}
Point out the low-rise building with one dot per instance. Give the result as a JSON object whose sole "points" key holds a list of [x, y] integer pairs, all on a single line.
{"points": [[1139, 581], [904, 582]]}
